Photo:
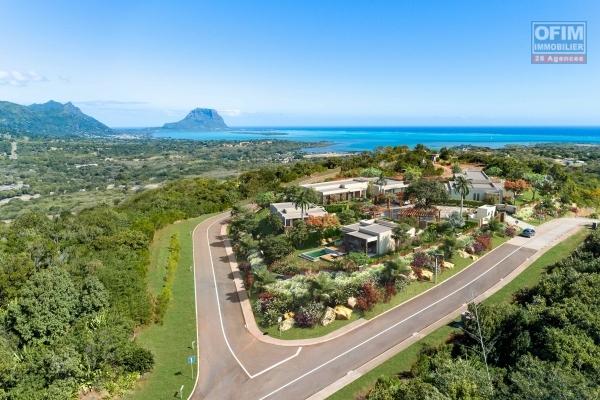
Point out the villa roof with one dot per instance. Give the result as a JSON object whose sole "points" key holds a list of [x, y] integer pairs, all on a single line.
{"points": [[288, 210], [364, 236]]}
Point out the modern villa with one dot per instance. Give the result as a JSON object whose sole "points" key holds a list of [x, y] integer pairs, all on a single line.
{"points": [[393, 186], [288, 212], [482, 188], [340, 190], [353, 188], [373, 237]]}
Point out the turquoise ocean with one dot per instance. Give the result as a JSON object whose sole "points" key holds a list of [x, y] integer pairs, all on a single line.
{"points": [[359, 138]]}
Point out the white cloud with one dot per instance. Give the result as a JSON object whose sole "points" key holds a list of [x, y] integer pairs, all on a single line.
{"points": [[18, 78]]}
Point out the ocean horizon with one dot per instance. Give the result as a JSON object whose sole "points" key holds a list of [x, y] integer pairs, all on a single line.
{"points": [[353, 139]]}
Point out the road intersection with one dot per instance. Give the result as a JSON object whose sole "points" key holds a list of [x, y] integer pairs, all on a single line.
{"points": [[236, 363]]}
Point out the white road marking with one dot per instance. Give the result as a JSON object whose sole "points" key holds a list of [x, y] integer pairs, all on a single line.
{"points": [[318, 367], [251, 376]]}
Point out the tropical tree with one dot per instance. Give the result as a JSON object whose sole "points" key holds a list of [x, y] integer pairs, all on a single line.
{"points": [[392, 270], [412, 174], [276, 247], [262, 278], [400, 234], [456, 220], [303, 199], [321, 287], [264, 199], [536, 181], [426, 193], [299, 233], [517, 186], [462, 187]]}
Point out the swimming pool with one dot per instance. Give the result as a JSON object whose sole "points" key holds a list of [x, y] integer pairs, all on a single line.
{"points": [[314, 255]]}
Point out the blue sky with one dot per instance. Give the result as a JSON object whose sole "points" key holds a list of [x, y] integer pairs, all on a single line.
{"points": [[299, 63]]}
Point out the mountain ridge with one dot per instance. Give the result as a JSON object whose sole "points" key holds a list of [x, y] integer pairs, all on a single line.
{"points": [[51, 118], [199, 119]]}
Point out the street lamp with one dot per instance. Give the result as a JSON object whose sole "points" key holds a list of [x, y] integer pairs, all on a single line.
{"points": [[437, 266]]}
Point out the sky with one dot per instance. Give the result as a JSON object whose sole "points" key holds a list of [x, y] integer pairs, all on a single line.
{"points": [[299, 63]]}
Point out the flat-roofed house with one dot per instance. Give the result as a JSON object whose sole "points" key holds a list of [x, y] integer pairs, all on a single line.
{"points": [[340, 190], [393, 186], [288, 212], [353, 188], [373, 237], [482, 188]]}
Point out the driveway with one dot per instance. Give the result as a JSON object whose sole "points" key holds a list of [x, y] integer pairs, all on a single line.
{"points": [[234, 364]]}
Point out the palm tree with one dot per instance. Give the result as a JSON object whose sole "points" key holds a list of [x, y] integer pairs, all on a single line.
{"points": [[321, 287], [400, 234], [392, 269], [462, 186], [389, 197], [303, 199], [262, 278]]}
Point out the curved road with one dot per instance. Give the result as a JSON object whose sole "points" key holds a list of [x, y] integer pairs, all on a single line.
{"points": [[233, 364]]}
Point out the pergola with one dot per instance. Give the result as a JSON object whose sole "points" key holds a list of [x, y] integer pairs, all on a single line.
{"points": [[419, 213]]}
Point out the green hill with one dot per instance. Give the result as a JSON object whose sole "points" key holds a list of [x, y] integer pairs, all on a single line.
{"points": [[48, 119]]}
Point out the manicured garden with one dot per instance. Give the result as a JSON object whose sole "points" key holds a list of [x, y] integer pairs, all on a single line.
{"points": [[296, 292]]}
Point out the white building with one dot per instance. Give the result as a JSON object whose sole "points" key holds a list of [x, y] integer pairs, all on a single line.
{"points": [[373, 237], [485, 213], [353, 188], [288, 212], [391, 186], [482, 188], [340, 190]]}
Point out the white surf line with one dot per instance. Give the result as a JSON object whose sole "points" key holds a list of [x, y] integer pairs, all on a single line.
{"points": [[251, 376], [318, 367]]}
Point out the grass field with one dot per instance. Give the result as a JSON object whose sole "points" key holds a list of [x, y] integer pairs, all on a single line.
{"points": [[405, 359], [171, 342]]}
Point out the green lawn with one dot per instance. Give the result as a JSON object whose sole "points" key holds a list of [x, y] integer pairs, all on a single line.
{"points": [[171, 342], [403, 361]]}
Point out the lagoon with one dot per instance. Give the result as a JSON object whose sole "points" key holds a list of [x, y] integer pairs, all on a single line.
{"points": [[344, 139]]}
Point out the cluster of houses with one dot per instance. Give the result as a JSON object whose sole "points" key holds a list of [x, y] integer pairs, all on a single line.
{"points": [[375, 236]]}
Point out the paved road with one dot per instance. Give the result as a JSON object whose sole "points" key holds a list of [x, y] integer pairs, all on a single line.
{"points": [[235, 365]]}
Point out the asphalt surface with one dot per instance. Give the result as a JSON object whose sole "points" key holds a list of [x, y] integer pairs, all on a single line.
{"points": [[233, 364]]}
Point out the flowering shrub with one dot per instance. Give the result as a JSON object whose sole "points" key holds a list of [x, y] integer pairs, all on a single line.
{"points": [[368, 298], [510, 231], [485, 240], [389, 292], [309, 315], [421, 260], [476, 248]]}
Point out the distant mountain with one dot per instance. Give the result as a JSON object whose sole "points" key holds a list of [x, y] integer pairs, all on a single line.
{"points": [[199, 119], [51, 118]]}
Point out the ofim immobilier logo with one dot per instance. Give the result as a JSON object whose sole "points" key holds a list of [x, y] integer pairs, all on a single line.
{"points": [[559, 42]]}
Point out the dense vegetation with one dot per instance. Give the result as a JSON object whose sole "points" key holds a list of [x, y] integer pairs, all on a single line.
{"points": [[50, 119], [545, 345], [72, 174], [73, 288]]}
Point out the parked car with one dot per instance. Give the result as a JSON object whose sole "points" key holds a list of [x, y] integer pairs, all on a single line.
{"points": [[528, 232]]}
